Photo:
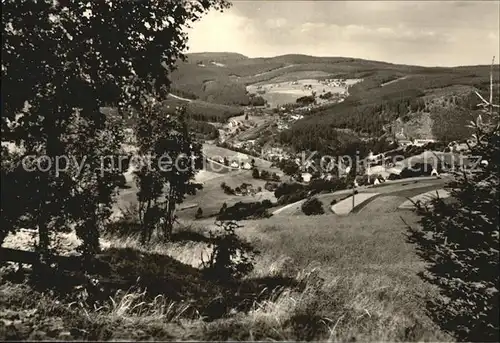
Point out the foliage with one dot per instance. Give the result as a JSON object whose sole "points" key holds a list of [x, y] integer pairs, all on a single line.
{"points": [[289, 167], [326, 186], [199, 213], [286, 188], [255, 173], [448, 124], [242, 210], [306, 100], [203, 129], [231, 257], [312, 206], [460, 241], [202, 111], [227, 189], [418, 169], [62, 62], [164, 181]]}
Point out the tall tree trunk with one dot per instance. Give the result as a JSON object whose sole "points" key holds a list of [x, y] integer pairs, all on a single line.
{"points": [[169, 216]]}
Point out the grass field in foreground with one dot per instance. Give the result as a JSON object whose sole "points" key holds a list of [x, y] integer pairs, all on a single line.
{"points": [[360, 280], [365, 287]]}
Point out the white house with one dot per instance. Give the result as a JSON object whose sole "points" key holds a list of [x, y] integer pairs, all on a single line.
{"points": [[306, 177], [234, 164], [422, 142], [247, 166]]}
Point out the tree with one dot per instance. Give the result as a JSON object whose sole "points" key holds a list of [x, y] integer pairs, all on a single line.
{"points": [[223, 208], [289, 167], [199, 213], [460, 240], [255, 173], [163, 182], [312, 206], [62, 61]]}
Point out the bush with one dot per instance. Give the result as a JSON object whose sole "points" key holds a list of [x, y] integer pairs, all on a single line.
{"points": [[393, 176], [326, 186], [223, 208], [231, 257], [275, 177], [287, 188], [270, 186], [199, 213], [418, 169], [305, 100], [227, 190], [312, 206], [265, 175], [255, 173], [241, 210]]}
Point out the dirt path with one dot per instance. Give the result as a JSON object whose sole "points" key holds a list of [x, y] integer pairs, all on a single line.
{"points": [[180, 98], [392, 81]]}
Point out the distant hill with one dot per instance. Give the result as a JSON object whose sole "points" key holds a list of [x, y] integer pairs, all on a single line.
{"points": [[420, 100]]}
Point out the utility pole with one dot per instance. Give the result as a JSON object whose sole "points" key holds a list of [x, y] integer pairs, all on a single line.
{"points": [[353, 193]]}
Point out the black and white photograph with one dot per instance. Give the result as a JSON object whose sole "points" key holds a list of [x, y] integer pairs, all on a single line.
{"points": [[250, 170]]}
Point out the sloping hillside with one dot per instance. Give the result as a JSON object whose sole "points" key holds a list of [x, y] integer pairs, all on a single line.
{"points": [[422, 101]]}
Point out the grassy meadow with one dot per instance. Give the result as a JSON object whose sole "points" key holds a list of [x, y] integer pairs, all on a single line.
{"points": [[329, 278]]}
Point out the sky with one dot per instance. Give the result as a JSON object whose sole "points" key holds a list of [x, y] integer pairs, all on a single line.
{"points": [[427, 33]]}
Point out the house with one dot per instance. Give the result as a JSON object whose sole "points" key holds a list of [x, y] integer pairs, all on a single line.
{"points": [[434, 172], [234, 164], [422, 142], [247, 166], [404, 143], [376, 182], [306, 177]]}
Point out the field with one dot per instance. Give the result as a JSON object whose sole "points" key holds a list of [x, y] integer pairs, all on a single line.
{"points": [[278, 93], [211, 151], [359, 283]]}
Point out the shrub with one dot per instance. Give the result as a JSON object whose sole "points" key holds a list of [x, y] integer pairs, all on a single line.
{"points": [[305, 100], [418, 169], [393, 176], [241, 210], [199, 213], [231, 257], [275, 177], [255, 173], [312, 206], [265, 175], [327, 186], [271, 186], [223, 208], [227, 190], [287, 188]]}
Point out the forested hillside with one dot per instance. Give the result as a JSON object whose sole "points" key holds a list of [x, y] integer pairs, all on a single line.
{"points": [[372, 109], [423, 102]]}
